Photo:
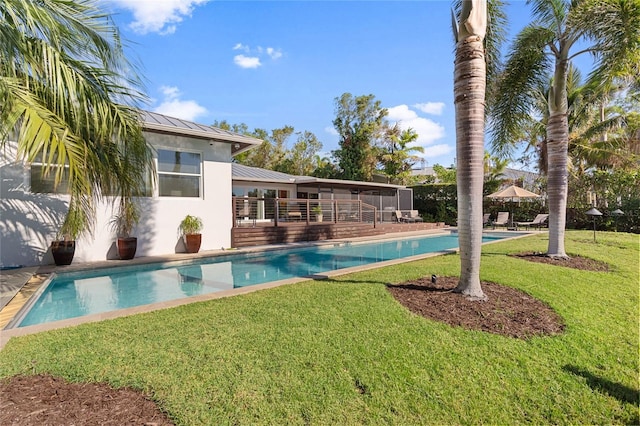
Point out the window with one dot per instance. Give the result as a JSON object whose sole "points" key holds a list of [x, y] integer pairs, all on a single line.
{"points": [[179, 173], [43, 181]]}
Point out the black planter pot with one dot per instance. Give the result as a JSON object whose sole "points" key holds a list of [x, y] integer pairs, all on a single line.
{"points": [[127, 247], [63, 252]]}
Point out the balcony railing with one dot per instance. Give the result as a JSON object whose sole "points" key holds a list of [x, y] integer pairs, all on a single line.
{"points": [[252, 211]]}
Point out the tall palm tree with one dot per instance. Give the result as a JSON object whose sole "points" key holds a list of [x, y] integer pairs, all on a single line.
{"points": [[563, 29], [470, 76], [68, 97]]}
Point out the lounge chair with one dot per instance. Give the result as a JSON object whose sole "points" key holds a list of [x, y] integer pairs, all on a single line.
{"points": [[486, 219], [403, 218], [501, 220], [413, 214], [539, 221]]}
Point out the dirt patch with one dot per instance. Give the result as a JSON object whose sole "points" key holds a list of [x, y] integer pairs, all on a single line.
{"points": [[575, 262], [47, 400]]}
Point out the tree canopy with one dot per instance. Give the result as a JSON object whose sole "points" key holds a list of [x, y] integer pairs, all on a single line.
{"points": [[69, 98]]}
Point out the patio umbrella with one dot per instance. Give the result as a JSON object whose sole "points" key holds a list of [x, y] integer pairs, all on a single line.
{"points": [[513, 193]]}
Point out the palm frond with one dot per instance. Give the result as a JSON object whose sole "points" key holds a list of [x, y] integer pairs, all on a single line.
{"points": [[515, 95]]}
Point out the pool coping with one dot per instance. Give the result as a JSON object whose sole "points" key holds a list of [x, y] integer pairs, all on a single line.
{"points": [[7, 334]]}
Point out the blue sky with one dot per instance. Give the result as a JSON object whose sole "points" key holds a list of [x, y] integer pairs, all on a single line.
{"points": [[274, 63]]}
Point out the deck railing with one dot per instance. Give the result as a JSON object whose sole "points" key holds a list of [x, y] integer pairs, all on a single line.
{"points": [[252, 211]]}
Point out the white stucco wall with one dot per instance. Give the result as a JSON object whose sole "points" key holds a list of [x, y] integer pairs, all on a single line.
{"points": [[29, 221]]}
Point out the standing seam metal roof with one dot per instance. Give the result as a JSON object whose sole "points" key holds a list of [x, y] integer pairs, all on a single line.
{"points": [[240, 171], [157, 121]]}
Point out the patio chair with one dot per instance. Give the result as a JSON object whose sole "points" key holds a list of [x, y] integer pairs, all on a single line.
{"points": [[486, 219], [403, 218], [413, 214], [539, 221], [501, 220], [244, 214]]}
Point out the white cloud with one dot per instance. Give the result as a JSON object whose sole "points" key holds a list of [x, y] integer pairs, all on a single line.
{"points": [[434, 151], [240, 46], [159, 16], [428, 131], [273, 53], [247, 61], [433, 108], [331, 130], [254, 55], [173, 106]]}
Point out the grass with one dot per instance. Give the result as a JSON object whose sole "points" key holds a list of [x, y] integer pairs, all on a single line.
{"points": [[343, 351]]}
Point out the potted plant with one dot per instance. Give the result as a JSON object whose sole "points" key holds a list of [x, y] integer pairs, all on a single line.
{"points": [[123, 223], [64, 246], [318, 212], [190, 228]]}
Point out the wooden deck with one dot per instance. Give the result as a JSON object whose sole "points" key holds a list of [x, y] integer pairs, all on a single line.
{"points": [[263, 234]]}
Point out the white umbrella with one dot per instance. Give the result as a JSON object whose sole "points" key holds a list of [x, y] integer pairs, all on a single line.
{"points": [[513, 193]]}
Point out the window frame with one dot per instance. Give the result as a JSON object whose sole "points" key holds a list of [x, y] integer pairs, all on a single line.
{"points": [[199, 175]]}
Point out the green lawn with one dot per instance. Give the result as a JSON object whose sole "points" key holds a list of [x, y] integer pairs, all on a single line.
{"points": [[343, 351]]}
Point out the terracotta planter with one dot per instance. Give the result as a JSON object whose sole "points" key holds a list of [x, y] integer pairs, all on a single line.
{"points": [[192, 242], [127, 247], [63, 252]]}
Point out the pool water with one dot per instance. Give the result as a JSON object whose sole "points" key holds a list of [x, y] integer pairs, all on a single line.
{"points": [[76, 294]]}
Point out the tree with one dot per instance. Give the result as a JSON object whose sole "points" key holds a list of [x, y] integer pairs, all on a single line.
{"points": [[271, 153], [64, 83], [493, 172], [469, 97], [445, 175], [395, 156], [358, 121], [299, 160], [611, 31]]}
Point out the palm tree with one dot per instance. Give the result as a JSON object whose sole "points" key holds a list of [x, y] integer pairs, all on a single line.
{"points": [[610, 30], [64, 83], [396, 158], [470, 78]]}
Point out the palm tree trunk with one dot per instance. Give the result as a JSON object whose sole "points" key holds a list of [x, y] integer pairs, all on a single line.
{"points": [[469, 98], [557, 157]]}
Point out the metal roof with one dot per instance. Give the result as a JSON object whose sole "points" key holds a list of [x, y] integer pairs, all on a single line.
{"points": [[154, 121], [241, 172]]}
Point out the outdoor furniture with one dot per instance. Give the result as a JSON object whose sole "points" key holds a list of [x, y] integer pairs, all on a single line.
{"points": [[404, 218], [501, 220], [243, 214], [297, 216], [486, 219], [413, 214], [538, 222]]}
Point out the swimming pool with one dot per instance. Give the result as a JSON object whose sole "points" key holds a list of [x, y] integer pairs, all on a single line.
{"points": [[76, 294]]}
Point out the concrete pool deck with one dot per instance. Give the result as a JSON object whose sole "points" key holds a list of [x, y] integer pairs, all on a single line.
{"points": [[19, 285]]}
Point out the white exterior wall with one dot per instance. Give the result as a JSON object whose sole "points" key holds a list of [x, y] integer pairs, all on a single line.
{"points": [[29, 221]]}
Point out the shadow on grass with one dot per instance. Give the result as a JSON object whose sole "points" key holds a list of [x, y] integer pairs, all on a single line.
{"points": [[421, 288], [324, 278], [620, 392]]}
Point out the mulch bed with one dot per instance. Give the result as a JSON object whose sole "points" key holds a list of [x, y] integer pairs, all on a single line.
{"points": [[47, 400], [575, 262], [507, 311]]}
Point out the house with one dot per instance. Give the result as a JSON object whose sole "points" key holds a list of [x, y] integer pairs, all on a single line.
{"points": [[261, 183], [194, 177]]}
